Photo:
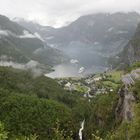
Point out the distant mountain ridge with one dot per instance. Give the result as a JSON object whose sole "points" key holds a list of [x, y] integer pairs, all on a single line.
{"points": [[18, 44], [91, 39]]}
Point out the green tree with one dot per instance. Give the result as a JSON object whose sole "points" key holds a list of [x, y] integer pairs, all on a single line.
{"points": [[3, 132]]}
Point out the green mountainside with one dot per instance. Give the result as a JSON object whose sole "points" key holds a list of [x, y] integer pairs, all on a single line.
{"points": [[106, 105], [33, 105], [39, 106], [20, 45]]}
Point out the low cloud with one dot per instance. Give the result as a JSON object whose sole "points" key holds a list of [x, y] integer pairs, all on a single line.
{"points": [[26, 34], [4, 33], [32, 66], [58, 13]]}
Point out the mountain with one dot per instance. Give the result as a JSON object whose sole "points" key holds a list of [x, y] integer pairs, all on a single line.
{"points": [[18, 44], [40, 107], [130, 53], [100, 106], [92, 38], [36, 103], [34, 27]]}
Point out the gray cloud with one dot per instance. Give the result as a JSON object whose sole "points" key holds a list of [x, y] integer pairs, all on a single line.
{"points": [[57, 13], [3, 33]]}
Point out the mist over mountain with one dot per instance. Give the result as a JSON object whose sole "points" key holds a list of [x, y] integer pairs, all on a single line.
{"points": [[20, 45], [70, 70], [91, 39], [130, 53]]}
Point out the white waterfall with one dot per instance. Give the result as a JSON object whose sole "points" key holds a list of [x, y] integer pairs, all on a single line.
{"points": [[81, 129]]}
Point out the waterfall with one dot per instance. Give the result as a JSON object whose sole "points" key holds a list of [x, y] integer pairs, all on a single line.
{"points": [[81, 129]]}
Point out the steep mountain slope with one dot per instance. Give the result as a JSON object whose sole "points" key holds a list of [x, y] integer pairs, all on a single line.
{"points": [[91, 38], [40, 106], [34, 27], [31, 105], [131, 52], [20, 45]]}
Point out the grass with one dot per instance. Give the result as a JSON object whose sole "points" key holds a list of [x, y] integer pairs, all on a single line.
{"points": [[115, 76], [81, 89], [110, 84], [133, 67], [113, 79]]}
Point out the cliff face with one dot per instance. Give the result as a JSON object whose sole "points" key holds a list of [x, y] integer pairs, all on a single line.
{"points": [[131, 52], [124, 110]]}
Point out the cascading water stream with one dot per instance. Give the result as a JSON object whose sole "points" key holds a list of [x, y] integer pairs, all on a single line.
{"points": [[81, 129]]}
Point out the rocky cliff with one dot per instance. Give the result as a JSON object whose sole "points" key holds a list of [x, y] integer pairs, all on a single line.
{"points": [[131, 52]]}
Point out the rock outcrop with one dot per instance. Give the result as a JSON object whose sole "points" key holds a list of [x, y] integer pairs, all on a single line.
{"points": [[124, 110]]}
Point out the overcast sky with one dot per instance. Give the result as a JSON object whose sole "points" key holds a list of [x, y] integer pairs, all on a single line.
{"points": [[59, 12]]}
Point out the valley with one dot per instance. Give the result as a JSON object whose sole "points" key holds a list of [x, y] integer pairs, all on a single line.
{"points": [[91, 39], [74, 70], [77, 82], [98, 97]]}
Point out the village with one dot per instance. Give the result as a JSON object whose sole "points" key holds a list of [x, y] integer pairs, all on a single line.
{"points": [[93, 85]]}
